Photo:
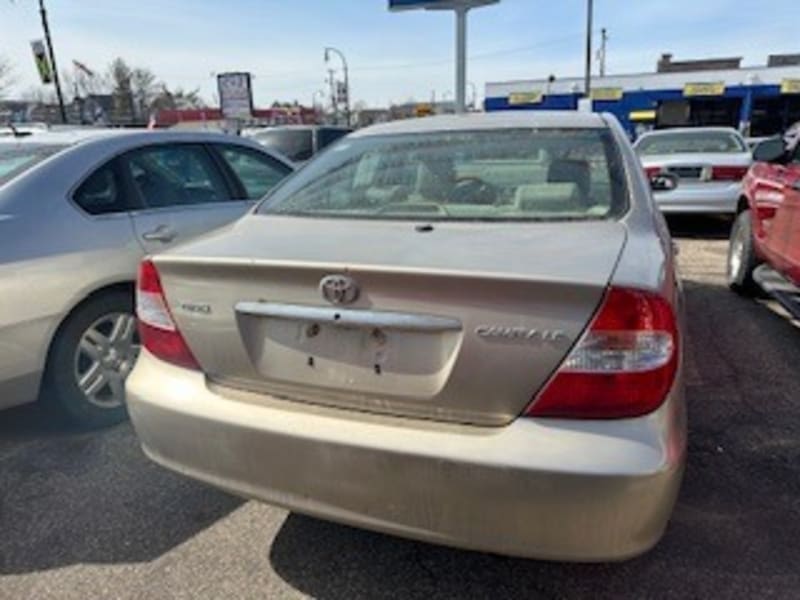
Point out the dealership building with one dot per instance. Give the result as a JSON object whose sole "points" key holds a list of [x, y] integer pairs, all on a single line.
{"points": [[758, 101]]}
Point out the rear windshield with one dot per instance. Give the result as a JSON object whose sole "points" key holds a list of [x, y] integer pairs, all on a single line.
{"points": [[499, 174], [15, 160], [690, 143], [295, 144]]}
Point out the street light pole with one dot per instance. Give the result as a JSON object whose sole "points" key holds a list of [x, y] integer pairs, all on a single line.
{"points": [[461, 59], [51, 52], [346, 80], [587, 84]]}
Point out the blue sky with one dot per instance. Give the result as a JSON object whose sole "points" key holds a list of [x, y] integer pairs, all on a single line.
{"points": [[393, 56]]}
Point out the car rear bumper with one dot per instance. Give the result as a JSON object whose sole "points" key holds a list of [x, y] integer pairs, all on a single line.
{"points": [[700, 198], [583, 491]]}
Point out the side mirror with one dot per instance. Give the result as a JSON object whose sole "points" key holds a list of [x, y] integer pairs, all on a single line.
{"points": [[663, 182], [770, 151]]}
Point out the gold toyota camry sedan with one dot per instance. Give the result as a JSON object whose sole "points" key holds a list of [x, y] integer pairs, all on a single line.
{"points": [[466, 330]]}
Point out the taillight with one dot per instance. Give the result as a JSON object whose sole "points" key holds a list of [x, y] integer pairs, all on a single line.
{"points": [[157, 330], [623, 366], [728, 173], [652, 171]]}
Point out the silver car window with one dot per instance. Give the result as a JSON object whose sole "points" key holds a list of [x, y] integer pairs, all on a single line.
{"points": [[258, 173], [688, 142], [509, 174], [101, 193], [176, 175], [16, 160]]}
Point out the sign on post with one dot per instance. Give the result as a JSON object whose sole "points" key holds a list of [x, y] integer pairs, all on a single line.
{"points": [[437, 4], [235, 95], [42, 61]]}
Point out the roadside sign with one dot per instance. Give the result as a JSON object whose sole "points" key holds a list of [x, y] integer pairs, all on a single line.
{"points": [[715, 88], [42, 61], [235, 95], [437, 4]]}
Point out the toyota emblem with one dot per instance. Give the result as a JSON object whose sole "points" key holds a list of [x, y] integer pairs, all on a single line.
{"points": [[339, 289]]}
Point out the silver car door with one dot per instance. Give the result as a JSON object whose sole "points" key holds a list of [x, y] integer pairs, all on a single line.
{"points": [[182, 194]]}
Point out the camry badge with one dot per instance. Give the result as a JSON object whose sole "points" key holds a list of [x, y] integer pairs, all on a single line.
{"points": [[522, 334], [339, 289]]}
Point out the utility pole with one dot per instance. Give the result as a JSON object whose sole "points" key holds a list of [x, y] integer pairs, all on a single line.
{"points": [[346, 81], [334, 103], [602, 53], [51, 52], [587, 84]]}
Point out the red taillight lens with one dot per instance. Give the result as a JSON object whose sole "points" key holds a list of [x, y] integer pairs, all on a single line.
{"points": [[623, 366], [157, 331], [728, 173], [652, 171]]}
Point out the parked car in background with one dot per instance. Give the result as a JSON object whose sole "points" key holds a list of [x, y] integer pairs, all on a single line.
{"points": [[78, 210], [765, 241], [478, 342], [298, 143], [710, 162]]}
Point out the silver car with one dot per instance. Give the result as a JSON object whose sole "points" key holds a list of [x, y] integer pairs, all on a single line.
{"points": [[710, 162], [465, 329], [78, 211]]}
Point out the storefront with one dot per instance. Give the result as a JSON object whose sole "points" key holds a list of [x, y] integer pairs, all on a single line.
{"points": [[757, 101]]}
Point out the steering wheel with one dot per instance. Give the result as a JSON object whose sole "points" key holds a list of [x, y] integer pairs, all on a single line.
{"points": [[469, 189]]}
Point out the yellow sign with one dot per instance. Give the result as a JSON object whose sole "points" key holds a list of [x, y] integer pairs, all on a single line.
{"points": [[423, 110], [608, 94], [715, 88], [790, 86], [517, 98], [642, 115]]}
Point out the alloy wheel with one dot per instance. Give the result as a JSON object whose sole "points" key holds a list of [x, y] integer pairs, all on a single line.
{"points": [[105, 357]]}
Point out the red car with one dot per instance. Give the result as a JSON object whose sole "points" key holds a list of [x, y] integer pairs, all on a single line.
{"points": [[765, 241]]}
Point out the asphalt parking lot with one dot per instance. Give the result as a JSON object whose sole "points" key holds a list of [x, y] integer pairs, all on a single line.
{"points": [[87, 516]]}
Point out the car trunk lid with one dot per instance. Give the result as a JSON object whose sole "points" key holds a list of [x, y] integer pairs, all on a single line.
{"points": [[450, 321]]}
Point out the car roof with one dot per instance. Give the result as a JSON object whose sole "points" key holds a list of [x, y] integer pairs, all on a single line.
{"points": [[681, 130], [511, 119]]}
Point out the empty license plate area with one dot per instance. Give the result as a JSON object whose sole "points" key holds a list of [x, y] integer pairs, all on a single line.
{"points": [[364, 351]]}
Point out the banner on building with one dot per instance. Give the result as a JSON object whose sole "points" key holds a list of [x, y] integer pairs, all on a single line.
{"points": [[713, 88], [607, 94], [518, 98], [790, 86], [42, 61], [235, 95]]}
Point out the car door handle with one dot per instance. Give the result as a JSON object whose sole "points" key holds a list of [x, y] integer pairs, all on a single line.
{"points": [[162, 233]]}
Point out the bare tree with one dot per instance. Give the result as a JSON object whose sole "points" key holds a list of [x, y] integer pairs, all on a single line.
{"points": [[177, 100], [6, 75]]}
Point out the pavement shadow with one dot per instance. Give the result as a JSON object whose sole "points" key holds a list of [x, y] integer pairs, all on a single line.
{"points": [[68, 498], [734, 530]]}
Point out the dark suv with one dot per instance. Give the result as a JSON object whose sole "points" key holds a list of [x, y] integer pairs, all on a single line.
{"points": [[299, 143]]}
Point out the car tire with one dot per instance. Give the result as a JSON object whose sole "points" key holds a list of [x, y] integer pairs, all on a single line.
{"points": [[92, 354], [742, 259]]}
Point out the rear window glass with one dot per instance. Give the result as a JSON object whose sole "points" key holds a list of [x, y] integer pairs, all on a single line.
{"points": [[16, 160], [295, 144], [499, 174], [690, 143]]}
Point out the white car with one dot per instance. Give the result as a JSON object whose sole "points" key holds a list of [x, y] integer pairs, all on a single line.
{"points": [[710, 162]]}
